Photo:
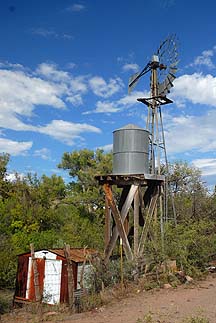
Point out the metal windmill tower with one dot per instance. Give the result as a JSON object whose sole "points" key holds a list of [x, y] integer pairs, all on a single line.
{"points": [[136, 168], [162, 67]]}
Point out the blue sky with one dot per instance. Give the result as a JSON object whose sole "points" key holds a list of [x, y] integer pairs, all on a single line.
{"points": [[64, 70]]}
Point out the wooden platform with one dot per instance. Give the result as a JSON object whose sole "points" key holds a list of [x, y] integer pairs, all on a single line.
{"points": [[133, 179]]}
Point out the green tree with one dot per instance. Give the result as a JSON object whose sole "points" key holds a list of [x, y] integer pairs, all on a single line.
{"points": [[84, 190], [189, 192]]}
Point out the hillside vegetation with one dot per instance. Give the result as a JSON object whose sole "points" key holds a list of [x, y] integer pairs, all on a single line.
{"points": [[48, 212]]}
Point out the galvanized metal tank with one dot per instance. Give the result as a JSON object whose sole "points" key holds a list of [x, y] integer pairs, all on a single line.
{"points": [[130, 150]]}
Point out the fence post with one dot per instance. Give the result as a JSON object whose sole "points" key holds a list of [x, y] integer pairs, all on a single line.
{"points": [[70, 276], [36, 275]]}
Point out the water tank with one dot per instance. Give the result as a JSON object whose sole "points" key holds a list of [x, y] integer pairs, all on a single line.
{"points": [[130, 150]]}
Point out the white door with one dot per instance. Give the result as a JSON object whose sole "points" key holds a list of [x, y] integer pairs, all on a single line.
{"points": [[52, 281]]}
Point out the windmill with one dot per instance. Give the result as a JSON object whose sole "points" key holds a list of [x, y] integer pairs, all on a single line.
{"points": [[140, 186], [163, 67]]}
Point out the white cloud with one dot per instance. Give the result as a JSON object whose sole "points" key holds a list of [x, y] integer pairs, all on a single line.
{"points": [[79, 84], [44, 32], [71, 65], [76, 99], [76, 7], [14, 148], [20, 93], [51, 72], [187, 133], [197, 88], [206, 165], [47, 33], [131, 99], [105, 89], [106, 148], [105, 107], [205, 58], [67, 132], [130, 67], [6, 64], [43, 153], [125, 102]]}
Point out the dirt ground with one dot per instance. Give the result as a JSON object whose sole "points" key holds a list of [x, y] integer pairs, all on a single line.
{"points": [[162, 306]]}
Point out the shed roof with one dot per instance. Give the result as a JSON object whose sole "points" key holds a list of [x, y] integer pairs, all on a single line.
{"points": [[76, 254]]}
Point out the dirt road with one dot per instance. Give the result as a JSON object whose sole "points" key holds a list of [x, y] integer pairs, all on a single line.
{"points": [[162, 306], [167, 306]]}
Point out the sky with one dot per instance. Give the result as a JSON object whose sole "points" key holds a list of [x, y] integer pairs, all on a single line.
{"points": [[64, 71]]}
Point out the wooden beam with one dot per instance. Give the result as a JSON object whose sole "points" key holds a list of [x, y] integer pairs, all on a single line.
{"points": [[150, 212], [107, 222], [70, 276], [124, 212], [36, 275], [122, 200], [118, 221], [136, 223]]}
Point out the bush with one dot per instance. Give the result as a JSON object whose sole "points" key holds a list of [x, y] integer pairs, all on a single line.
{"points": [[6, 301]]}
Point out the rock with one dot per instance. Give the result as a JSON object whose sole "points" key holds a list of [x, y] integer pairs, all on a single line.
{"points": [[188, 279], [167, 286], [50, 313]]}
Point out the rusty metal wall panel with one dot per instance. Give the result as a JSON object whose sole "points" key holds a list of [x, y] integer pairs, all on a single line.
{"points": [[130, 151], [64, 283], [30, 290], [21, 277]]}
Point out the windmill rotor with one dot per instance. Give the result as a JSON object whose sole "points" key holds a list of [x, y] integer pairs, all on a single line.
{"points": [[168, 57], [165, 60]]}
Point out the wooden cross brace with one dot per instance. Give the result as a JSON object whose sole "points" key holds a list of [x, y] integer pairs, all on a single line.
{"points": [[119, 218], [129, 194]]}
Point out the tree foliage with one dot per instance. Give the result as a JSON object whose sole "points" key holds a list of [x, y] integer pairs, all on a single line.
{"points": [[84, 190], [48, 212]]}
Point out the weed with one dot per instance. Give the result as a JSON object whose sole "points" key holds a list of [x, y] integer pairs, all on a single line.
{"points": [[196, 319], [147, 319], [5, 301], [90, 301]]}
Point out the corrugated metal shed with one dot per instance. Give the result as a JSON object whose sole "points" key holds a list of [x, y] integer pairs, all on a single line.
{"points": [[52, 274]]}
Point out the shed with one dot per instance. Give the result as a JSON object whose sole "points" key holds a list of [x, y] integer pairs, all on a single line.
{"points": [[52, 274]]}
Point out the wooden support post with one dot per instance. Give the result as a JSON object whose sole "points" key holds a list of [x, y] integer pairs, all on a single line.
{"points": [[118, 221], [150, 212], [36, 274], [83, 269], [107, 223], [136, 223], [141, 201], [124, 212], [70, 276]]}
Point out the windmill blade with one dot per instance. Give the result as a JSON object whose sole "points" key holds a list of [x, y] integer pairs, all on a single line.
{"points": [[168, 83], [174, 64], [161, 89], [171, 77], [164, 87], [173, 70]]}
